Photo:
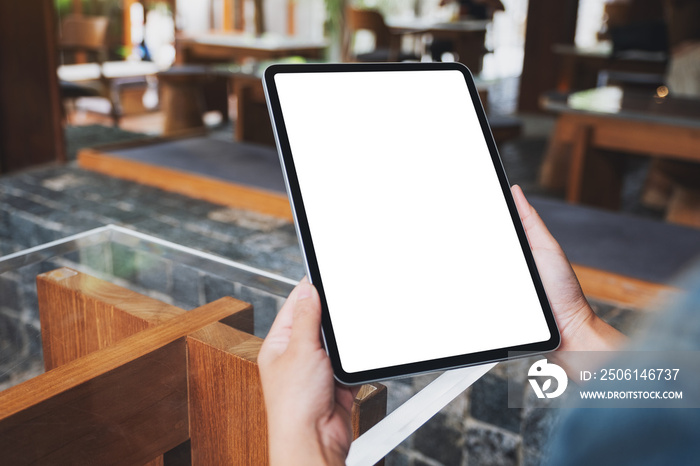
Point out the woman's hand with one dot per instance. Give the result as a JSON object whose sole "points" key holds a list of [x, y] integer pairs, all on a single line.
{"points": [[581, 329], [308, 413]]}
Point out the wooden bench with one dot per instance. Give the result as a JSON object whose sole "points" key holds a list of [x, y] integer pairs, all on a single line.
{"points": [[239, 175], [618, 257]]}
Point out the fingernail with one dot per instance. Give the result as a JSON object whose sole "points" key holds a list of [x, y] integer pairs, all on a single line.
{"points": [[303, 290]]}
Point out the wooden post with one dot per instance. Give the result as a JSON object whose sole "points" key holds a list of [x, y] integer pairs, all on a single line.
{"points": [[554, 171], [238, 15], [291, 17], [233, 18], [227, 15], [123, 404], [368, 408], [126, 24], [30, 114], [259, 17], [595, 175], [227, 412], [580, 149], [549, 22]]}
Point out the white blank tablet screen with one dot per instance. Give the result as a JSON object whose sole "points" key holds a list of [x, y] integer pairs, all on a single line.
{"points": [[415, 244]]}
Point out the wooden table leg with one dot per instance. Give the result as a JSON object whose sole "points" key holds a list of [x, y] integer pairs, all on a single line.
{"points": [[182, 101], [580, 149], [555, 165], [595, 176], [252, 119]]}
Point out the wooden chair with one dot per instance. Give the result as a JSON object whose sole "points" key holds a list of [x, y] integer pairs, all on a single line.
{"points": [[82, 39], [387, 45], [83, 36], [132, 380]]}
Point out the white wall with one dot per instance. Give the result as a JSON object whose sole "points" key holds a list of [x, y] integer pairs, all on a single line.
{"points": [[193, 15]]}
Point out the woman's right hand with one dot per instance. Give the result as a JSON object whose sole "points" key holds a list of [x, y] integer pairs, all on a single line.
{"points": [[580, 328]]}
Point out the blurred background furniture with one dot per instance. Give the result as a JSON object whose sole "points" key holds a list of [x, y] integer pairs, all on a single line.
{"points": [[235, 174], [234, 47], [109, 84], [83, 39], [253, 123], [387, 42], [466, 37], [86, 73], [584, 68], [182, 97], [597, 127]]}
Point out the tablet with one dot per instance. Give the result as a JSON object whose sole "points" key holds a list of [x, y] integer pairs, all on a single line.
{"points": [[405, 219]]}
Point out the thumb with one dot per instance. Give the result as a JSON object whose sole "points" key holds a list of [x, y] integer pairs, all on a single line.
{"points": [[306, 326], [537, 232]]}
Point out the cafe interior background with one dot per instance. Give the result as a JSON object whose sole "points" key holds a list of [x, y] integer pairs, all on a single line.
{"points": [[149, 115]]}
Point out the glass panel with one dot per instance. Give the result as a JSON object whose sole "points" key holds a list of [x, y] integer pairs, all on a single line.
{"points": [[171, 273]]}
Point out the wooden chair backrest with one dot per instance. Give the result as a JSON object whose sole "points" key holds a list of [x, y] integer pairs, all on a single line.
{"points": [[370, 20], [84, 34]]}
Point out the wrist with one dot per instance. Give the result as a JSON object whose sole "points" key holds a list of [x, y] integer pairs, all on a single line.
{"points": [[294, 450], [591, 334], [302, 448]]}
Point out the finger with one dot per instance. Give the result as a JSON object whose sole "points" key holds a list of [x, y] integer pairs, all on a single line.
{"points": [[354, 389], [536, 230], [557, 275], [285, 316], [345, 396], [306, 327], [277, 339]]}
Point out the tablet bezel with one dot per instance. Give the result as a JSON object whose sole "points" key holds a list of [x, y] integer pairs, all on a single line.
{"points": [[306, 243]]}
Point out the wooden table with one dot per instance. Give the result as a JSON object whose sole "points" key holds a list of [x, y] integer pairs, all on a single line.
{"points": [[580, 66], [129, 379], [237, 48], [234, 47], [594, 126], [467, 36]]}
